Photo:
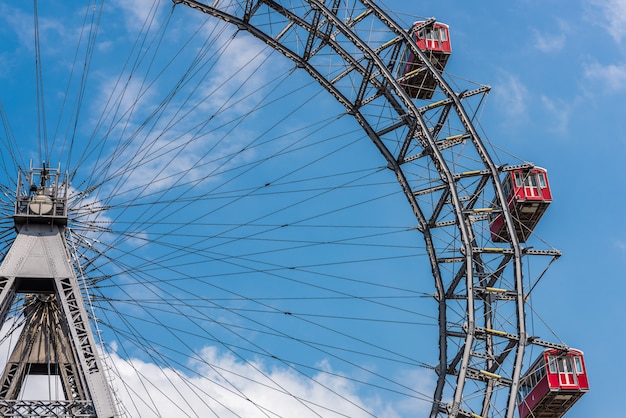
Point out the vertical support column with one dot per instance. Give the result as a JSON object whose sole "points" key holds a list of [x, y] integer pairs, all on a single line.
{"points": [[56, 338]]}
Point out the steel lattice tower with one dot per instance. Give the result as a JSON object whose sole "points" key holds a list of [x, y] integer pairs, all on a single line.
{"points": [[38, 280]]}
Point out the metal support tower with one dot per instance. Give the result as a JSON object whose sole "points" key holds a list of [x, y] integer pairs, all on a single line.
{"points": [[39, 286]]}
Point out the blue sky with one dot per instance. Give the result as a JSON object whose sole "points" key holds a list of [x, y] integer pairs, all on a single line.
{"points": [[558, 77]]}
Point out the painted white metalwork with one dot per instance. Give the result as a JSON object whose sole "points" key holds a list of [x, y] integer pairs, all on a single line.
{"points": [[56, 338]]}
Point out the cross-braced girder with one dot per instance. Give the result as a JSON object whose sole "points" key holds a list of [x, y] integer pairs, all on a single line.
{"points": [[444, 170]]}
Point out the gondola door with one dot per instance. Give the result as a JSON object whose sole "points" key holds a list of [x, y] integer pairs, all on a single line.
{"points": [[567, 376], [531, 188]]}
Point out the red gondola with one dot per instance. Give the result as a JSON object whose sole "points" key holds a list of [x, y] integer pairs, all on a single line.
{"points": [[553, 384], [434, 40], [528, 196]]}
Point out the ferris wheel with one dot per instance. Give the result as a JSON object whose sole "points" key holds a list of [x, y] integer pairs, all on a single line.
{"points": [[243, 249]]}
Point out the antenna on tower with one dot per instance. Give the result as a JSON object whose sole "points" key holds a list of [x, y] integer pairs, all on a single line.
{"points": [[41, 196]]}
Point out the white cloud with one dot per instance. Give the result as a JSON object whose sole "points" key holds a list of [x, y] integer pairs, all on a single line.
{"points": [[137, 12], [612, 17], [159, 142], [422, 382], [239, 74], [611, 76], [148, 153], [228, 387], [222, 385], [558, 113], [20, 22], [512, 96], [550, 42], [55, 34]]}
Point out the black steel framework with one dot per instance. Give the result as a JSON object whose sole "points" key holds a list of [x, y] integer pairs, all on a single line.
{"points": [[353, 50]]}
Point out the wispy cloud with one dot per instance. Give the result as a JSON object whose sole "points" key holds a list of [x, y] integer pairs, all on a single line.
{"points": [[612, 77], [621, 246], [238, 76], [55, 34], [550, 41], [165, 143], [137, 14], [611, 16], [511, 95], [558, 112]]}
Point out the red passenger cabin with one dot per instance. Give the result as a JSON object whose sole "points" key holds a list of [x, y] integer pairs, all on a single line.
{"points": [[528, 195], [434, 40], [553, 384]]}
